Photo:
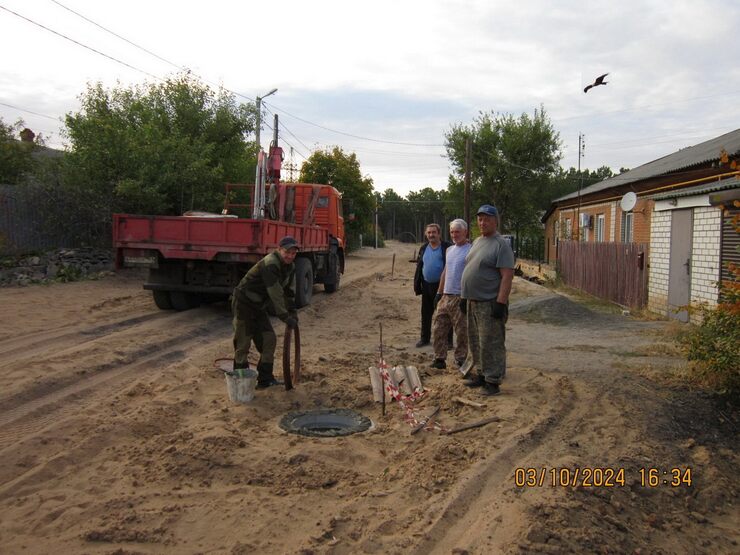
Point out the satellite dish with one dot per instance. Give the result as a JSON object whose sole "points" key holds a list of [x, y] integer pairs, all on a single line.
{"points": [[628, 201]]}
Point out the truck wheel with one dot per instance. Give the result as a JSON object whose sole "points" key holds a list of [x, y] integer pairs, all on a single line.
{"points": [[303, 282], [184, 301], [162, 300], [332, 287]]}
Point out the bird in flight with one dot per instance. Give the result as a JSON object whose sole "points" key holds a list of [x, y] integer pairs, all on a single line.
{"points": [[599, 81]]}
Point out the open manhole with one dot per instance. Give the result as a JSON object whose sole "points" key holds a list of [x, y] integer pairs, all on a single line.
{"points": [[325, 422]]}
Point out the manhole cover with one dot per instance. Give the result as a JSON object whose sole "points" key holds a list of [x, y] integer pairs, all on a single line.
{"points": [[325, 422]]}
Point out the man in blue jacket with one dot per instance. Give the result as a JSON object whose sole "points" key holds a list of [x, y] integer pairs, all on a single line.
{"points": [[429, 265]]}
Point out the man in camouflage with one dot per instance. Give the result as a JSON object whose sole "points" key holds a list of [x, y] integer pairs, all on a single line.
{"points": [[447, 315], [267, 288], [486, 285]]}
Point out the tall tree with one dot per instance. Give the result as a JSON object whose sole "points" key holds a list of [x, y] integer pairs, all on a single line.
{"points": [[513, 160], [158, 148], [335, 167]]}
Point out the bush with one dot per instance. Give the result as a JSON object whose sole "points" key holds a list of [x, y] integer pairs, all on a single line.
{"points": [[714, 343]]}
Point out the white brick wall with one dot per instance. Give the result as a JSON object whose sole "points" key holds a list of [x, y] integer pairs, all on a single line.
{"points": [[613, 221], [705, 255], [660, 249], [704, 259]]}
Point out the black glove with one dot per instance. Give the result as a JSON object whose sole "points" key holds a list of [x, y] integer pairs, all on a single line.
{"points": [[437, 298], [291, 322], [464, 306], [499, 310]]}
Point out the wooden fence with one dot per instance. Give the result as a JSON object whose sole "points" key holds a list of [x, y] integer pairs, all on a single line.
{"points": [[616, 272]]}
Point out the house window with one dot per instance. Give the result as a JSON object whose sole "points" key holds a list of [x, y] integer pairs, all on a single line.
{"points": [[568, 228], [555, 231], [600, 220], [626, 234]]}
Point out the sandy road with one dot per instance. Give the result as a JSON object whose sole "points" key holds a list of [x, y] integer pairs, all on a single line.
{"points": [[116, 435]]}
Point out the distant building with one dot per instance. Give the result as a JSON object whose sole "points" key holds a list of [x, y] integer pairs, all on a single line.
{"points": [[672, 213]]}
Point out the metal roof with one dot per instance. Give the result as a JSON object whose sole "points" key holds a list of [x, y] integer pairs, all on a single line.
{"points": [[727, 183], [684, 158]]}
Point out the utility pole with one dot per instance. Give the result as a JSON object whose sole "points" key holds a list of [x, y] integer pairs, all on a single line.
{"points": [[259, 117], [376, 224], [466, 192], [581, 148]]}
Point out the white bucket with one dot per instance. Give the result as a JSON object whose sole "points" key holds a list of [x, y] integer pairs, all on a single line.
{"points": [[241, 385]]}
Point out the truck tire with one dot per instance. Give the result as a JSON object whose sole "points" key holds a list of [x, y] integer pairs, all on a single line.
{"points": [[184, 301], [303, 282], [334, 264], [162, 300]]}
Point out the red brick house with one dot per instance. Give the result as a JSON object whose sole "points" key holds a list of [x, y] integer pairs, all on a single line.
{"points": [[668, 209]]}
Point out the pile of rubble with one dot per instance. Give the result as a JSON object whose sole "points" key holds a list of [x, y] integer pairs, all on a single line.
{"points": [[58, 265]]}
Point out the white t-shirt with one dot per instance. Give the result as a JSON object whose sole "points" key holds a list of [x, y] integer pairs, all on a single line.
{"points": [[454, 268]]}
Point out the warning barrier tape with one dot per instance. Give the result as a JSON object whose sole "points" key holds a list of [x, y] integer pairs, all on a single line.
{"points": [[406, 402]]}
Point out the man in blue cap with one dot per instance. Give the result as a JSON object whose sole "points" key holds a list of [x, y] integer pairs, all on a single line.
{"points": [[486, 285], [267, 288]]}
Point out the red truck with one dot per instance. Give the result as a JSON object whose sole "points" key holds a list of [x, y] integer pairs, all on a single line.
{"points": [[201, 257]]}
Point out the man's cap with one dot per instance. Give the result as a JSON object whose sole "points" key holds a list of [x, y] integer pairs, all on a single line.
{"points": [[289, 242], [488, 210]]}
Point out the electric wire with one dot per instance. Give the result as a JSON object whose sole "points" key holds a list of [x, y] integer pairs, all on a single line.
{"points": [[281, 124], [297, 117], [118, 36], [29, 111], [350, 134], [62, 35]]}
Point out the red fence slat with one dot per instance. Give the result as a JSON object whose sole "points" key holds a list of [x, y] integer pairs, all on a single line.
{"points": [[613, 271]]}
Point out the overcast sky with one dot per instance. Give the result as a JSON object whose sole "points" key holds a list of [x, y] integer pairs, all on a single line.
{"points": [[400, 71]]}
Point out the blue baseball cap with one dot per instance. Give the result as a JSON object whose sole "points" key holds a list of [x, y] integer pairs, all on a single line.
{"points": [[488, 210]]}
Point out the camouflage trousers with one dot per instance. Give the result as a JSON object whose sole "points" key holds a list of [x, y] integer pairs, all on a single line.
{"points": [[255, 327], [486, 340], [446, 316]]}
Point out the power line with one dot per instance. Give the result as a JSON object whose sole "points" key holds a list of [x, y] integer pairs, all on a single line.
{"points": [[29, 111], [348, 134], [281, 124], [79, 43], [118, 36]]}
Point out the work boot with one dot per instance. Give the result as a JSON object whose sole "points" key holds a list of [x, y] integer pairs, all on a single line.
{"points": [[422, 343], [474, 381], [265, 378], [439, 363], [490, 389]]}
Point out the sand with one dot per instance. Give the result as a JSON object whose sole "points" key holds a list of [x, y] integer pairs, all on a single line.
{"points": [[117, 436]]}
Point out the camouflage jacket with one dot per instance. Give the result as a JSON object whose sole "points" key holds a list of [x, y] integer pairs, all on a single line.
{"points": [[269, 285]]}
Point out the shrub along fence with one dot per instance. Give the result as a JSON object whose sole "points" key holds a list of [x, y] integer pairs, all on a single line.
{"points": [[616, 272]]}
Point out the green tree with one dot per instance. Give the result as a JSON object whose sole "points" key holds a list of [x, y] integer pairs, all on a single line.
{"points": [[394, 215], [16, 157], [157, 148], [428, 206], [513, 161], [342, 171]]}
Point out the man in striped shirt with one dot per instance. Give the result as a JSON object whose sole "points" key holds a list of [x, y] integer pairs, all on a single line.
{"points": [[448, 315]]}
